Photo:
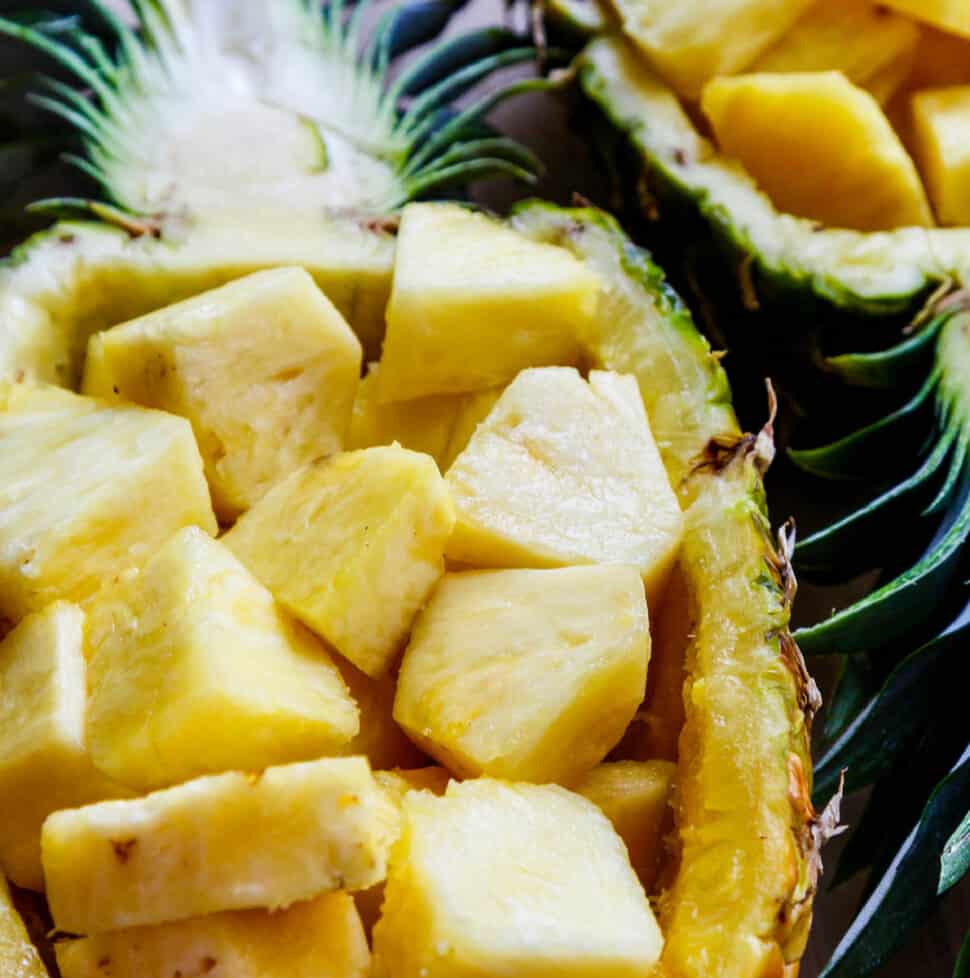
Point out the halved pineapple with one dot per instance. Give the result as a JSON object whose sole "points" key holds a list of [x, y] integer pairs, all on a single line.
{"points": [[952, 16], [225, 842], [194, 669], [18, 956], [941, 127], [352, 545], [265, 368], [566, 472], [320, 938], [503, 879], [473, 303], [529, 675], [88, 490]]}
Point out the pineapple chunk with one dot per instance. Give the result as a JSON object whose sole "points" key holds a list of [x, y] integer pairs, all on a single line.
{"points": [[194, 670], [636, 797], [473, 302], [265, 368], [859, 176], [321, 938], [941, 59], [18, 956], [565, 472], [503, 879], [87, 491], [952, 16], [941, 136], [226, 842], [44, 761], [529, 675], [352, 545]]}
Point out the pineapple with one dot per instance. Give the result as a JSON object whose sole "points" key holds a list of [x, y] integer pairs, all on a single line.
{"points": [[194, 670], [18, 957], [44, 759], [265, 368], [529, 675], [320, 938], [952, 16], [352, 546], [88, 490], [859, 176], [524, 880], [636, 797], [226, 842], [941, 122], [473, 303], [566, 472]]}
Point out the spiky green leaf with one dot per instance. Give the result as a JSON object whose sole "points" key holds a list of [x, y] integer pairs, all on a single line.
{"points": [[956, 856]]}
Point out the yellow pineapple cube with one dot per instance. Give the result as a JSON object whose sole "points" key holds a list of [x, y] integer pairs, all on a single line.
{"points": [[529, 675], [18, 956], [225, 842], [941, 137], [88, 490], [474, 302], [566, 472], [352, 545], [952, 16], [44, 760], [512, 879], [636, 797], [320, 938], [194, 669], [265, 368]]}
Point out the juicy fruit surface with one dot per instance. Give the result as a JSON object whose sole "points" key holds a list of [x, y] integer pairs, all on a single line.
{"points": [[215, 844], [565, 472], [948, 15], [195, 670], [941, 127], [352, 546], [859, 176], [473, 303], [526, 675], [18, 956], [489, 853], [265, 368]]}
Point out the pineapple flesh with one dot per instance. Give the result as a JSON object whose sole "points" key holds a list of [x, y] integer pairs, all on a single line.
{"points": [[194, 669], [952, 16], [941, 126], [566, 472], [18, 956], [265, 369], [226, 842], [88, 490], [352, 545], [528, 675]]}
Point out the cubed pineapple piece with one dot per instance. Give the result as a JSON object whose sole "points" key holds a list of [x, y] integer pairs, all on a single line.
{"points": [[44, 761], [320, 938], [505, 879], [87, 491], [352, 545], [225, 842], [194, 669], [18, 956], [565, 472], [859, 176], [529, 675], [265, 368], [474, 302], [690, 43], [941, 138], [636, 797], [952, 16], [941, 59]]}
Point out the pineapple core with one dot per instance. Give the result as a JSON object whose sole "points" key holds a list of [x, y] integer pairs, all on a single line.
{"points": [[265, 368], [225, 842], [511, 879], [566, 472], [18, 956], [194, 670], [529, 675]]}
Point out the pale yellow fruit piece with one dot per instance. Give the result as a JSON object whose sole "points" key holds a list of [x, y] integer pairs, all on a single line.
{"points": [[952, 16], [565, 472], [265, 368], [529, 675], [44, 760], [941, 137], [87, 491], [636, 797], [18, 956], [690, 43], [352, 546], [226, 842], [504, 879], [820, 147], [320, 938], [474, 302], [194, 669]]}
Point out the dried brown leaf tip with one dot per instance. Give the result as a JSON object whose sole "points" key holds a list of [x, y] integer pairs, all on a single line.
{"points": [[722, 450]]}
